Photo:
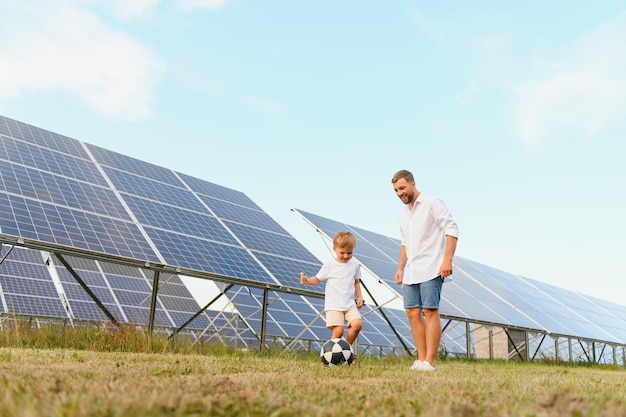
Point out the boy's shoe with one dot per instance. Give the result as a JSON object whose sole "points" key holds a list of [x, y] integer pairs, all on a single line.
{"points": [[426, 367], [416, 365], [353, 361]]}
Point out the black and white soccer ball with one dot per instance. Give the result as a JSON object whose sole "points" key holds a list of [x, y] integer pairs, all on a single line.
{"points": [[336, 352]]}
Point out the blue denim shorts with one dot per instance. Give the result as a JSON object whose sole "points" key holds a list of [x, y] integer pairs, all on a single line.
{"points": [[423, 295]]}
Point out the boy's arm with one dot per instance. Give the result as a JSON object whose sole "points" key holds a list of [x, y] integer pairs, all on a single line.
{"points": [[308, 280], [357, 291]]}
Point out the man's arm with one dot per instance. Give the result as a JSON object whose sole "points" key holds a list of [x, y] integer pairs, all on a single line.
{"points": [[401, 264], [446, 266]]}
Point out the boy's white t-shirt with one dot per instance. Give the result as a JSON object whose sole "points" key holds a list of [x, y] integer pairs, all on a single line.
{"points": [[339, 277]]}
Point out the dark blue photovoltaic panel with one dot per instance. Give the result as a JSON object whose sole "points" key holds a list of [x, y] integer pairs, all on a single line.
{"points": [[49, 223], [370, 333], [129, 283], [179, 304], [611, 316], [153, 190], [575, 308], [47, 160], [211, 319], [132, 165], [454, 338], [218, 191], [509, 287], [550, 315], [58, 190], [35, 306], [384, 269], [479, 305], [329, 227], [41, 137], [287, 271], [388, 246], [140, 315], [202, 255], [446, 308], [35, 184], [112, 283], [84, 310], [151, 213], [367, 249], [282, 319], [27, 287], [269, 242], [240, 214]]}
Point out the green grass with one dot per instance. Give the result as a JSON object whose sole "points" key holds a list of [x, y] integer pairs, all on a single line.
{"points": [[95, 372]]}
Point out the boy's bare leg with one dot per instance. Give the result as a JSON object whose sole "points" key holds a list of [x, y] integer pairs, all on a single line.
{"points": [[353, 330], [337, 332]]}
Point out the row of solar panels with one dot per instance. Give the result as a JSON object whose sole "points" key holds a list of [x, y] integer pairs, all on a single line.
{"points": [[58, 190], [481, 293], [62, 191]]}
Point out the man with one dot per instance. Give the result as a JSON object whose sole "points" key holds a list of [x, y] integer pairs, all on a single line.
{"points": [[429, 236]]}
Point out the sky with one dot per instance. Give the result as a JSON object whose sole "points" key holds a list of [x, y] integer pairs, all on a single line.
{"points": [[513, 113]]}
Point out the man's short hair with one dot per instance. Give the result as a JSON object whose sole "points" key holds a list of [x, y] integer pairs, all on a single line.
{"points": [[403, 173]]}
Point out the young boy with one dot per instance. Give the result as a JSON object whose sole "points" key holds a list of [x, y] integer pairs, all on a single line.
{"points": [[342, 276]]}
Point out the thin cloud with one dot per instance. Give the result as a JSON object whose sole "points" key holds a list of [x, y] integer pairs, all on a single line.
{"points": [[106, 68], [127, 11], [190, 5], [586, 92]]}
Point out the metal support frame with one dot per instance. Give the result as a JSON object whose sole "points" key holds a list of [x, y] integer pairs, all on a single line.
{"points": [[7, 254], [468, 342], [153, 300], [203, 309], [556, 350], [86, 288], [393, 329], [584, 351], [60, 250], [508, 336], [263, 319], [540, 343], [307, 327]]}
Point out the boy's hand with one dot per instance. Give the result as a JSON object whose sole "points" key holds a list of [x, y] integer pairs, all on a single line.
{"points": [[303, 278]]}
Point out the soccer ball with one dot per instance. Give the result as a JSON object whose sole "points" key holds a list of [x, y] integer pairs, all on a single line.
{"points": [[336, 352]]}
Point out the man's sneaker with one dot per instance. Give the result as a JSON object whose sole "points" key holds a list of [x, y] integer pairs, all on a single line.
{"points": [[416, 365], [426, 367]]}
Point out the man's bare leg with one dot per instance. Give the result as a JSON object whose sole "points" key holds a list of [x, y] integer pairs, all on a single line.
{"points": [[418, 330], [432, 335]]}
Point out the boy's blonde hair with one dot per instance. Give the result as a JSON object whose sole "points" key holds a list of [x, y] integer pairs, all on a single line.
{"points": [[344, 240]]}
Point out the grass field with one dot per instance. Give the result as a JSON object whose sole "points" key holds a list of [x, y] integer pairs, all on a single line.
{"points": [[90, 374]]}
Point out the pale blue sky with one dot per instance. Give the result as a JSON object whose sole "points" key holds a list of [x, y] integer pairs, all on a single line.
{"points": [[513, 113]]}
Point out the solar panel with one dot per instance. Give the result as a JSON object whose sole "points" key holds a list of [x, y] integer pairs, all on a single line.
{"points": [[56, 192], [484, 294], [62, 191]]}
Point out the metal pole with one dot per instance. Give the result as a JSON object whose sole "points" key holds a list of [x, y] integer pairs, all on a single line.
{"points": [[87, 289], [263, 319], [155, 291], [468, 343]]}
